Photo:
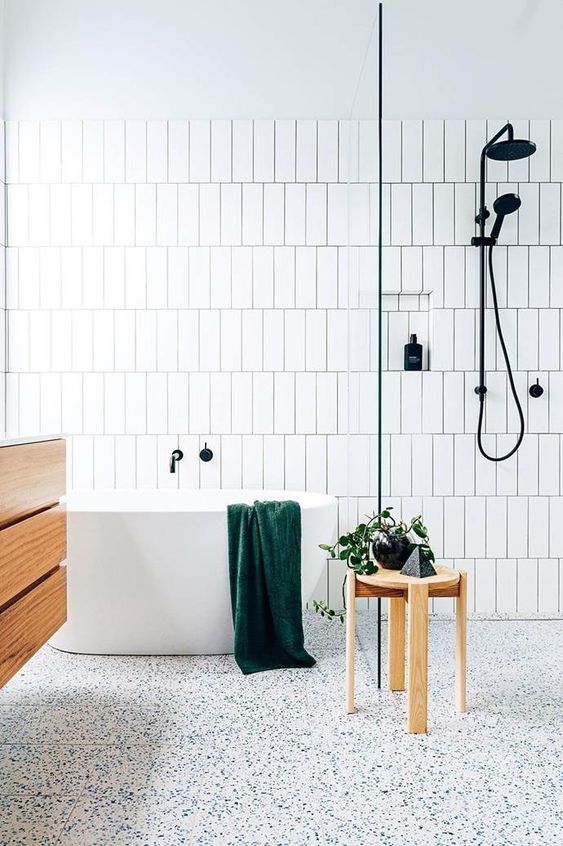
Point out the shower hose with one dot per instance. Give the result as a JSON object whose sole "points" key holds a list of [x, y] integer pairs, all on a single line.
{"points": [[510, 379]]}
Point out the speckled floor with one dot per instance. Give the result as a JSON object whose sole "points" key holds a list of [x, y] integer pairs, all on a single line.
{"points": [[112, 751]]}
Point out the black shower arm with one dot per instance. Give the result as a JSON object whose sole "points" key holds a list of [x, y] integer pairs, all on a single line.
{"points": [[482, 215]]}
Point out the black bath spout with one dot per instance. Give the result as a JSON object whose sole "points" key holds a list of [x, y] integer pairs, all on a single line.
{"points": [[176, 456]]}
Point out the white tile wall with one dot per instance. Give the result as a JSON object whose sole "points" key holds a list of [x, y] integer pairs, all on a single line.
{"points": [[174, 282]]}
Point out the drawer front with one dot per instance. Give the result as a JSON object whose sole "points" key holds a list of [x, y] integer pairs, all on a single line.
{"points": [[30, 549], [29, 623], [32, 477]]}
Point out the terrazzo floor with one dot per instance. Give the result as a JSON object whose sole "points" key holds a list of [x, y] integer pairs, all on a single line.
{"points": [[113, 751]]}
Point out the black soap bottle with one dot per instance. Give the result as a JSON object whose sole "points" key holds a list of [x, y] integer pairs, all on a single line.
{"points": [[413, 355]]}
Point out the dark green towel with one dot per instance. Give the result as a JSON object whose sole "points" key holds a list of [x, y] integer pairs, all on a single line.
{"points": [[265, 573]]}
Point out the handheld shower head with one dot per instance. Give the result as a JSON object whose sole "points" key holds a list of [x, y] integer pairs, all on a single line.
{"points": [[503, 205]]}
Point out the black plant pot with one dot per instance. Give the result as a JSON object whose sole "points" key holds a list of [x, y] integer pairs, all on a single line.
{"points": [[391, 551]]}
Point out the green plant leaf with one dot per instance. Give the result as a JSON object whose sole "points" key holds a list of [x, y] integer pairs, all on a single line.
{"points": [[325, 546]]}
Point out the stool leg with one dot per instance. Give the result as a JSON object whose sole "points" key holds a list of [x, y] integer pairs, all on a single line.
{"points": [[417, 697], [461, 645], [396, 643], [350, 639]]}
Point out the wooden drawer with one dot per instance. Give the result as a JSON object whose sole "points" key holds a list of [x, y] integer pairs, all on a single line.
{"points": [[29, 623], [30, 549], [32, 477]]}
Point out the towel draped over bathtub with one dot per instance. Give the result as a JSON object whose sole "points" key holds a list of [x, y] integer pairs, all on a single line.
{"points": [[265, 574]]}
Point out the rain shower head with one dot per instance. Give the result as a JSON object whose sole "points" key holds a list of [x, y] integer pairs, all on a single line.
{"points": [[510, 150], [503, 205]]}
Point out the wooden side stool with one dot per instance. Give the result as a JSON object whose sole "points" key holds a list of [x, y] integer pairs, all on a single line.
{"points": [[400, 590]]}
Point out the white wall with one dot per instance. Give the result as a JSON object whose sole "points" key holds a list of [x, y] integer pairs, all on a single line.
{"points": [[180, 282], [296, 58]]}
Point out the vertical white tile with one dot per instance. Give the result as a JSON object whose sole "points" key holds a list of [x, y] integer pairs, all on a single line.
{"points": [[527, 339], [285, 142], [178, 150], [316, 215], [556, 150], [432, 403], [295, 214], [102, 215], [549, 457], [538, 520], [441, 353], [188, 215], [475, 518], [369, 144], [243, 155], [242, 278], [199, 277], [348, 150], [242, 403], [274, 207], [135, 403], [464, 335], [71, 150], [401, 214], [199, 403], [178, 418], [145, 215], [548, 579], [550, 214], [454, 151], [443, 470], [220, 398], [327, 141], [273, 339], [200, 151], [412, 151], [497, 525], [252, 214], [145, 340], [167, 340], [392, 150], [114, 150], [306, 162], [81, 220], [114, 403], [157, 150], [263, 150], [93, 151], [124, 214], [220, 269], [422, 215], [485, 581], [209, 215], [464, 212], [540, 161], [539, 267], [231, 214], [454, 526], [528, 466], [528, 214], [49, 150], [527, 585], [125, 462], [221, 150], [135, 151], [263, 403], [443, 214], [263, 277], [29, 151], [433, 148]]}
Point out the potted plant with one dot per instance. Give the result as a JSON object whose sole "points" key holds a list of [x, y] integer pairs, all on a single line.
{"points": [[390, 541]]}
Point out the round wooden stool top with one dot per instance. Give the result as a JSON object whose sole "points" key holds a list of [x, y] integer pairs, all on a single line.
{"points": [[445, 577]]}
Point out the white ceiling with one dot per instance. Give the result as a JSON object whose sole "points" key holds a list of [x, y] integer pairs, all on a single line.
{"points": [[282, 58]]}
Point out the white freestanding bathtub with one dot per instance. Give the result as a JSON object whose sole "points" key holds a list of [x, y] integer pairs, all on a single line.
{"points": [[148, 570]]}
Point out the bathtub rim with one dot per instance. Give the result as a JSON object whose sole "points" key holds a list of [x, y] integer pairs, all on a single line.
{"points": [[196, 500]]}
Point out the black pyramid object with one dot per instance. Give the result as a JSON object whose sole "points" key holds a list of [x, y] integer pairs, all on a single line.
{"points": [[418, 565]]}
